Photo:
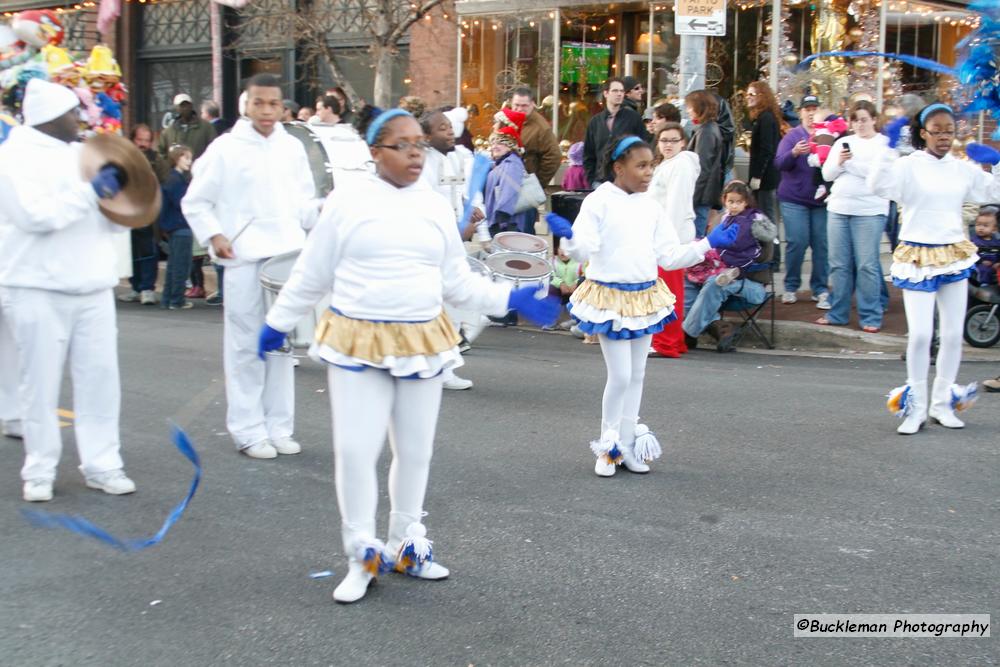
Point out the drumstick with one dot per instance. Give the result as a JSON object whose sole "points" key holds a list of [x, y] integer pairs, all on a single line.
{"points": [[477, 180]]}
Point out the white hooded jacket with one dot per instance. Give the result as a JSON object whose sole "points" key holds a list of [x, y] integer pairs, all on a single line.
{"points": [[673, 187], [52, 235], [257, 191]]}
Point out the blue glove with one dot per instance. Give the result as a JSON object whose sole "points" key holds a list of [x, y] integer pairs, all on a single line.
{"points": [[559, 226], [108, 182], [269, 340], [542, 312], [982, 154], [723, 236], [894, 128]]}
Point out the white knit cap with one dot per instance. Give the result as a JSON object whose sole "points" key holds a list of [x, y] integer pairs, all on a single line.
{"points": [[44, 101], [457, 116]]}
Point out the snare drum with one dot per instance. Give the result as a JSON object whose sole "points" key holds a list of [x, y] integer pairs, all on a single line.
{"points": [[521, 243], [273, 276], [520, 268], [479, 267]]}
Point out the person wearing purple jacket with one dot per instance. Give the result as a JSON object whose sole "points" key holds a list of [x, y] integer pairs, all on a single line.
{"points": [[804, 215], [503, 185]]}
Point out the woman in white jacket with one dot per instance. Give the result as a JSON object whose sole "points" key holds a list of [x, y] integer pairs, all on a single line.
{"points": [[389, 253], [855, 223], [933, 260], [673, 185]]}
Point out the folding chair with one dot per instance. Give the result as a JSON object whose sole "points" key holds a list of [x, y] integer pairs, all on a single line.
{"points": [[762, 272]]}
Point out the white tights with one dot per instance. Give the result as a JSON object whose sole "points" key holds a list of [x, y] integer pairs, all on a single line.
{"points": [[951, 301], [626, 363], [367, 406]]}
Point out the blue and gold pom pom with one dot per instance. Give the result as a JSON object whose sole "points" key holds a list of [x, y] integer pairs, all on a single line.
{"points": [[899, 402], [963, 398], [371, 555], [415, 550]]}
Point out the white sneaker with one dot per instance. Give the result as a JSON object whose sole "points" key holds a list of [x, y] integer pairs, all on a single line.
{"points": [[130, 297], [286, 445], [147, 297], [114, 483], [456, 383], [355, 584], [12, 429], [260, 450], [823, 301], [38, 490], [789, 297]]}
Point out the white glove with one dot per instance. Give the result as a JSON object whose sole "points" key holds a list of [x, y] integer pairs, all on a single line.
{"points": [[755, 184]]}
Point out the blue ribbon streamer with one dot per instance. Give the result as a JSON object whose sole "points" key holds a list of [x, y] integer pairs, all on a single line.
{"points": [[916, 61], [481, 166], [82, 526]]}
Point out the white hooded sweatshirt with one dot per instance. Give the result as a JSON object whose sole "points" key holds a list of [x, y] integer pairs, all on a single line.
{"points": [[52, 235], [257, 191], [625, 236]]}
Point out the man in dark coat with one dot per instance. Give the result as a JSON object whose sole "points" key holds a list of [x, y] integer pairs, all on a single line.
{"points": [[615, 120]]}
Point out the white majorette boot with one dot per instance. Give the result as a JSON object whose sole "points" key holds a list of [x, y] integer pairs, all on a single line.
{"points": [[645, 448], [608, 452], [947, 398], [414, 556], [909, 403], [367, 563], [630, 458]]}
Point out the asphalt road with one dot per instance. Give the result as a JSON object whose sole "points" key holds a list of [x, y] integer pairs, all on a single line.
{"points": [[783, 489]]}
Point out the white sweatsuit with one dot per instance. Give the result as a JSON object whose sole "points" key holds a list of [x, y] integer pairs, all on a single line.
{"points": [[57, 271], [259, 193], [385, 254]]}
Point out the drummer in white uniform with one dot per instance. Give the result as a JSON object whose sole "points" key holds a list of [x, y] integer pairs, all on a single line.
{"points": [[10, 411], [252, 197], [446, 170], [346, 151], [57, 271]]}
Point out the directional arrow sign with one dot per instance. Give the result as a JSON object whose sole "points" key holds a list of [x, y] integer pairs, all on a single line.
{"points": [[700, 17]]}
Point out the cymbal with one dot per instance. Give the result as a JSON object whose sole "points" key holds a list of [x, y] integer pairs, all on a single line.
{"points": [[138, 203]]}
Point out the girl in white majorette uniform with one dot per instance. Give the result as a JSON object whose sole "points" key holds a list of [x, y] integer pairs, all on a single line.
{"points": [[388, 252], [624, 234], [934, 258]]}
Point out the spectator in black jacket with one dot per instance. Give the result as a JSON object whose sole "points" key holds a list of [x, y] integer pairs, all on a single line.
{"points": [[616, 120], [728, 129], [635, 93], [764, 139], [707, 142]]}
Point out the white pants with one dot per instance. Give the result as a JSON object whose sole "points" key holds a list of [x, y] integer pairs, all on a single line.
{"points": [[9, 409], [260, 394], [951, 301], [626, 364], [367, 406], [49, 326]]}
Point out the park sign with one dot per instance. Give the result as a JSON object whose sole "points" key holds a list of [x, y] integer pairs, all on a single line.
{"points": [[700, 17]]}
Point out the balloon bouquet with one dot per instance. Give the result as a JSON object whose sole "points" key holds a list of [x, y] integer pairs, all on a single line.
{"points": [[30, 47]]}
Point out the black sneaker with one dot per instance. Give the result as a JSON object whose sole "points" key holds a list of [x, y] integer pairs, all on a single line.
{"points": [[214, 299]]}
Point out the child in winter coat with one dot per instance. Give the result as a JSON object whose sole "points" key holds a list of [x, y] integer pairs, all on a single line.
{"points": [[566, 275], [575, 177], [503, 185], [738, 203], [175, 228]]}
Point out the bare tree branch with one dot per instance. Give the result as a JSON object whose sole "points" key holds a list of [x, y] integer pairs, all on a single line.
{"points": [[416, 14]]}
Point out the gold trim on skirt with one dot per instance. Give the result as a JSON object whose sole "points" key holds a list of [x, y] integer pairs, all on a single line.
{"points": [[626, 304], [374, 341], [933, 256]]}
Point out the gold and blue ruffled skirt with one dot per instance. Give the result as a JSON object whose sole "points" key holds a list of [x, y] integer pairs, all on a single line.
{"points": [[622, 311], [924, 267], [405, 349]]}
